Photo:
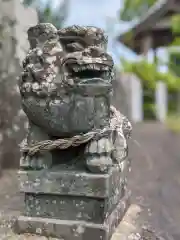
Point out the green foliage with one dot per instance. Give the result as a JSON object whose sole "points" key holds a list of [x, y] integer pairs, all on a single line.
{"points": [[172, 101], [174, 62], [149, 74], [175, 24], [149, 111], [133, 9], [173, 123], [46, 13]]}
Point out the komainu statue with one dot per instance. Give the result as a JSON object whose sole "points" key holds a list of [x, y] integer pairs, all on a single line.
{"points": [[75, 154], [65, 88]]}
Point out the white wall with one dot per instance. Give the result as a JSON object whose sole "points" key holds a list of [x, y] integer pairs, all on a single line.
{"points": [[135, 96]]}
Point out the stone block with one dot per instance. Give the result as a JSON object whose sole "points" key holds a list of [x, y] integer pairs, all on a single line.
{"points": [[72, 207], [74, 195], [73, 230], [73, 204], [61, 180]]}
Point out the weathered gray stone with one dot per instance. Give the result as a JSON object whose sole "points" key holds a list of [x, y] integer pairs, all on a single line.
{"points": [[68, 181], [67, 229], [65, 88], [74, 161], [71, 207], [75, 195]]}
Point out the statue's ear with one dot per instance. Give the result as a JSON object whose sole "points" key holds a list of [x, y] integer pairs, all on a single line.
{"points": [[41, 33]]}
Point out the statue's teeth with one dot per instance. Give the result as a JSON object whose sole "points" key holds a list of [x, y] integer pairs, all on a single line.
{"points": [[75, 69], [91, 66]]}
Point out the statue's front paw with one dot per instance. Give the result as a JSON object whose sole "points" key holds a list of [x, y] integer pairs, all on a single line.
{"points": [[35, 162], [98, 155], [98, 164]]}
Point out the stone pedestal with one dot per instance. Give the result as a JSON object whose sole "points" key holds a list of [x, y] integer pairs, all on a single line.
{"points": [[70, 204]]}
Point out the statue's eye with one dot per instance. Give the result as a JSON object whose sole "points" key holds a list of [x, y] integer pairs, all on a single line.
{"points": [[74, 46]]}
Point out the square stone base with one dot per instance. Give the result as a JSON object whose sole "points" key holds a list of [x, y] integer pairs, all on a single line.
{"points": [[74, 230], [73, 204]]}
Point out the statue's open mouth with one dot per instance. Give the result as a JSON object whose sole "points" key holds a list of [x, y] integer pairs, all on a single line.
{"points": [[81, 71], [89, 71]]}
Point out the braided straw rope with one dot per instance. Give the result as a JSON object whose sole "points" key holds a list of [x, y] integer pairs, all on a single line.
{"points": [[48, 145]]}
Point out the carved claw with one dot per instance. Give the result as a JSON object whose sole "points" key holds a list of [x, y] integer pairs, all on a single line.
{"points": [[36, 162], [98, 155], [40, 160]]}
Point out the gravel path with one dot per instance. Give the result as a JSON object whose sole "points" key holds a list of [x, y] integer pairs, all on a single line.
{"points": [[155, 177]]}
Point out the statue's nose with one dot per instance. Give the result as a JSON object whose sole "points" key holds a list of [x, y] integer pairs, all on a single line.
{"points": [[97, 52], [93, 52]]}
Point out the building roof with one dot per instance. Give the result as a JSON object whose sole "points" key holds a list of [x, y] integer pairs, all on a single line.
{"points": [[149, 24]]}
